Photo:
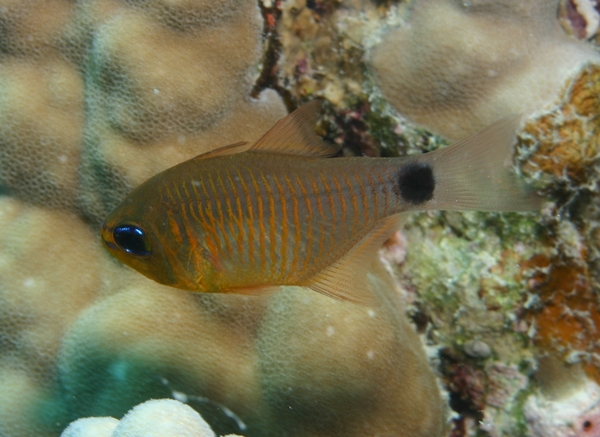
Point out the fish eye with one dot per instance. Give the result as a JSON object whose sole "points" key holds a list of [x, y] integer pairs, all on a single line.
{"points": [[132, 240]]}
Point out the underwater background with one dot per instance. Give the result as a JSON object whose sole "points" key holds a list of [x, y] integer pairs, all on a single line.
{"points": [[491, 326]]}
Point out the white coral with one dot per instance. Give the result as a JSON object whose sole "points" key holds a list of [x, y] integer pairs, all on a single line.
{"points": [[154, 418]]}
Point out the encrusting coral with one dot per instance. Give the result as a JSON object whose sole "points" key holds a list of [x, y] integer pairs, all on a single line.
{"points": [[96, 96]]}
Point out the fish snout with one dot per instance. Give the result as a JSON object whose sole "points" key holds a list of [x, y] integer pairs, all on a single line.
{"points": [[106, 232]]}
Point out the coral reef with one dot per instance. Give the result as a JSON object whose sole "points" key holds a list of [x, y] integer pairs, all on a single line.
{"points": [[517, 287], [577, 415], [250, 356], [152, 418], [105, 94], [96, 96]]}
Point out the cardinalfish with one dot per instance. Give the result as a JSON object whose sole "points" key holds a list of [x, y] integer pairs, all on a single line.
{"points": [[249, 218]]}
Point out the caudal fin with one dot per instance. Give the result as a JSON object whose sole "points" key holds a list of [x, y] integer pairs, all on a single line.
{"points": [[475, 174]]}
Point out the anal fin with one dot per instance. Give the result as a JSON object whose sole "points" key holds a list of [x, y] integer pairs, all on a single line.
{"points": [[259, 290], [346, 279]]}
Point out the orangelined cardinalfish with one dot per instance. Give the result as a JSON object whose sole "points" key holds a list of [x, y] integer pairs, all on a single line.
{"points": [[245, 219]]}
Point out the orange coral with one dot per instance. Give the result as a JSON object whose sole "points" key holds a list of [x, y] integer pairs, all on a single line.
{"points": [[567, 320], [566, 138]]}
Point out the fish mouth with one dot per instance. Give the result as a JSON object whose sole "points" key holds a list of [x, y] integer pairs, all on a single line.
{"points": [[106, 232]]}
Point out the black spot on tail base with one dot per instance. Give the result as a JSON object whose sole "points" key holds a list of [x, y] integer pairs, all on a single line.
{"points": [[416, 182]]}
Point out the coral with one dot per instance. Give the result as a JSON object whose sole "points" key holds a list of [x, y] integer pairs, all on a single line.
{"points": [[580, 18], [447, 63], [152, 418], [91, 427], [562, 142], [462, 273], [577, 415], [558, 152], [96, 96], [160, 82], [251, 357]]}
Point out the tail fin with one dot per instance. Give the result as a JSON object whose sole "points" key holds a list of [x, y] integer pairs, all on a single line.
{"points": [[472, 174]]}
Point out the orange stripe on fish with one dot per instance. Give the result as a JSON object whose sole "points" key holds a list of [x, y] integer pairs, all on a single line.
{"points": [[240, 214], [321, 223], [228, 246], [354, 202], [297, 234], [272, 224], [219, 219], [386, 194], [173, 222], [363, 194], [234, 223], [341, 198], [284, 226], [249, 222], [331, 202], [209, 228], [261, 224], [192, 241], [374, 196], [309, 230]]}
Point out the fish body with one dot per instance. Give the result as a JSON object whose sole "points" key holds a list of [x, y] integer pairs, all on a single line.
{"points": [[248, 219]]}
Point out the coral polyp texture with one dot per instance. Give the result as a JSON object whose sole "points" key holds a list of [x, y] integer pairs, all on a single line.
{"points": [[104, 94], [97, 96], [436, 72], [152, 418]]}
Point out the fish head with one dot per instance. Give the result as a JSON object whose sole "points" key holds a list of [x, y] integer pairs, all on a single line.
{"points": [[132, 234]]}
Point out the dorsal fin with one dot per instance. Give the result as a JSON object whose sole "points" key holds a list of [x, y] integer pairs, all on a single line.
{"points": [[295, 135], [231, 149], [346, 279]]}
